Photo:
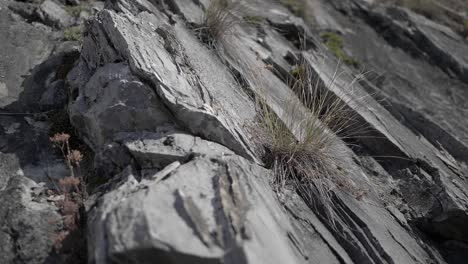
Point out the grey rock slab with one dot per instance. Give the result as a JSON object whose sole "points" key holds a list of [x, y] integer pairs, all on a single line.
{"points": [[54, 15], [23, 46], [390, 138], [157, 150], [135, 7], [154, 58], [371, 243], [205, 211], [314, 240], [28, 226], [44, 89], [26, 10], [380, 237], [418, 92], [141, 70], [445, 47], [191, 10], [114, 100]]}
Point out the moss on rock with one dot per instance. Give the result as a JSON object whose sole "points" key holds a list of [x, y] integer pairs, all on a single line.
{"points": [[334, 43]]}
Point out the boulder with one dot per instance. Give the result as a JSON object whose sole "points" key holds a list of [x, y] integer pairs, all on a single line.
{"points": [[54, 15]]}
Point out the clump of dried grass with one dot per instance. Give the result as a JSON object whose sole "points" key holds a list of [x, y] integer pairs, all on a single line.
{"points": [[303, 149], [219, 20]]}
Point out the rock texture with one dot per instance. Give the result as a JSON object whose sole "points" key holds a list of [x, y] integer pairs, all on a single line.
{"points": [[172, 124], [34, 62]]}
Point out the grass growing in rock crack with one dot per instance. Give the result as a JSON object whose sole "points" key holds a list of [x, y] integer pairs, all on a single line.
{"points": [[72, 34], [253, 20], [219, 20], [302, 150], [74, 193]]}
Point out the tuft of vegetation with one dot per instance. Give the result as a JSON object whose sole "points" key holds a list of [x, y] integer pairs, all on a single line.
{"points": [[302, 149], [74, 193], [219, 20], [254, 20], [334, 43], [72, 34], [298, 71], [297, 7]]}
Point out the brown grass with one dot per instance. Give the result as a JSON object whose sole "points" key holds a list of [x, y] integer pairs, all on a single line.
{"points": [[219, 20], [304, 150]]}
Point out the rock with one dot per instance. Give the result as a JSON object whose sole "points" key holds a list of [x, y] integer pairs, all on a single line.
{"points": [[44, 88], [23, 47], [28, 227], [157, 150], [194, 106], [52, 14], [178, 140], [26, 10], [421, 88], [221, 215], [73, 2], [32, 72], [113, 101]]}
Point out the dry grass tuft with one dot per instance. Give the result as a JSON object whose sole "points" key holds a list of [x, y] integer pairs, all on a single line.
{"points": [[219, 20], [304, 151]]}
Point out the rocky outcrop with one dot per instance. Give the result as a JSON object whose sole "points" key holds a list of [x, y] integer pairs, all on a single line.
{"points": [[34, 62], [173, 124]]}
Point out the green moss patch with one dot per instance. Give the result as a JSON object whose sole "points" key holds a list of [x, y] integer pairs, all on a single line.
{"points": [[253, 19], [72, 34], [298, 72], [334, 43]]}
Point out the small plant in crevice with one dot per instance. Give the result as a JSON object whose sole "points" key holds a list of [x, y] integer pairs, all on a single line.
{"points": [[253, 20], [334, 42], [73, 190], [219, 20], [72, 34], [302, 146]]}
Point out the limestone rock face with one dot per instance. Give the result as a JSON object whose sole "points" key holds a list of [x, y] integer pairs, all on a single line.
{"points": [[34, 63], [170, 120]]}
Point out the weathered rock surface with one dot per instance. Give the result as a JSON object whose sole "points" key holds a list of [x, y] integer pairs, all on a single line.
{"points": [[208, 210], [33, 97], [54, 15], [174, 127]]}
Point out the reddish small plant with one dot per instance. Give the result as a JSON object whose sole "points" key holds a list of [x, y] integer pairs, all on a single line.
{"points": [[59, 238], [72, 188]]}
